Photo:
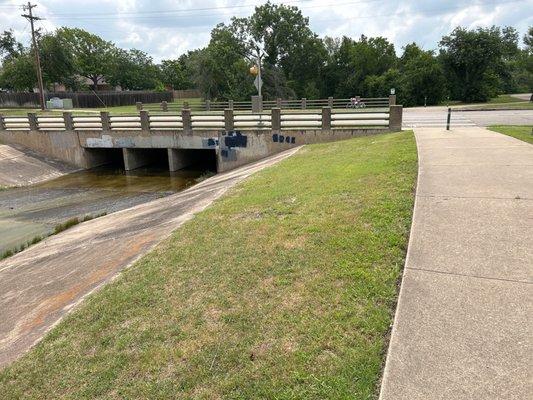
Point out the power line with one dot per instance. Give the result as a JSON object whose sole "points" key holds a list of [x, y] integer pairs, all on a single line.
{"points": [[30, 17]]}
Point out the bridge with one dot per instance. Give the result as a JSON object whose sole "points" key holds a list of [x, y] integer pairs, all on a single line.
{"points": [[225, 138]]}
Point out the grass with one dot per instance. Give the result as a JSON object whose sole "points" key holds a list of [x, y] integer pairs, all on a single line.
{"points": [[283, 289], [522, 132], [57, 229]]}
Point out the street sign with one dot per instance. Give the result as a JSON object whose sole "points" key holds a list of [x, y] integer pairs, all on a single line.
{"points": [[258, 83]]}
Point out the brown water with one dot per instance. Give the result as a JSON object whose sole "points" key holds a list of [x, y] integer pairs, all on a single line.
{"points": [[32, 211]]}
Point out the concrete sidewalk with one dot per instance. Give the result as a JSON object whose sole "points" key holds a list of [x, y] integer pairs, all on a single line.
{"points": [[464, 325]]}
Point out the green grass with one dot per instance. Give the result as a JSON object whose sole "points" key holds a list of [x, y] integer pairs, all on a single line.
{"points": [[283, 289], [522, 132]]}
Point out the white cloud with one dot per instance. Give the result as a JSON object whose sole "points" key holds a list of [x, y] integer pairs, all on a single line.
{"points": [[168, 28]]}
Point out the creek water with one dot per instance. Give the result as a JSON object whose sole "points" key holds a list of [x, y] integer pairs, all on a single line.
{"points": [[33, 211]]}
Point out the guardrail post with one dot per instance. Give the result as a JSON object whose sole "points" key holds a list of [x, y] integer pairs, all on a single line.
{"points": [[326, 118], [304, 103], [230, 104], [208, 105], [276, 119], [68, 121], [330, 102], [145, 120], [185, 105], [164, 106], [448, 119], [186, 120], [32, 119], [392, 100], [257, 104], [139, 106], [395, 118], [2, 123], [106, 122], [278, 102], [228, 120]]}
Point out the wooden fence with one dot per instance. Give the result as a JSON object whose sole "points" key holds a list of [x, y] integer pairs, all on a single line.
{"points": [[86, 99]]}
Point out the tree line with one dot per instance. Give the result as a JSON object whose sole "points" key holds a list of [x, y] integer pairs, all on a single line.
{"points": [[469, 65]]}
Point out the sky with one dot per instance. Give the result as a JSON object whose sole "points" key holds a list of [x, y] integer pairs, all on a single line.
{"points": [[168, 28]]}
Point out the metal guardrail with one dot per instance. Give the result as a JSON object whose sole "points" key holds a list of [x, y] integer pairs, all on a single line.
{"points": [[188, 120]]}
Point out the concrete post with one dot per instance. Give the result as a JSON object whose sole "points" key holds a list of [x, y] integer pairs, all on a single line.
{"points": [[145, 120], [134, 158], [32, 119], [392, 100], [179, 159], [326, 118], [186, 120], [185, 104], [330, 102], [230, 104], [276, 119], [257, 104], [2, 123], [395, 118], [304, 103], [69, 121], [164, 106], [106, 122], [278, 102], [208, 105], [228, 119], [139, 106]]}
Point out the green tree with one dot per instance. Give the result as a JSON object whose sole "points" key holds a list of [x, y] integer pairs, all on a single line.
{"points": [[176, 73], [18, 73], [91, 54], [9, 46], [56, 61], [132, 70]]}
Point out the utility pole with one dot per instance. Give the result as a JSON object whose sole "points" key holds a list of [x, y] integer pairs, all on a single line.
{"points": [[29, 16]]}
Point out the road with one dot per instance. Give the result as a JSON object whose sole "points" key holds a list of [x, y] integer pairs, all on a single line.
{"points": [[41, 284], [436, 117]]}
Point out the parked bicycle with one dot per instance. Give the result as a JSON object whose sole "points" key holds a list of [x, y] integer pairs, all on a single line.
{"points": [[355, 102]]}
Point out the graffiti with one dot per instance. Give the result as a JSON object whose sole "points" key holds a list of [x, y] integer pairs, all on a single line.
{"points": [[280, 139], [235, 139], [209, 142]]}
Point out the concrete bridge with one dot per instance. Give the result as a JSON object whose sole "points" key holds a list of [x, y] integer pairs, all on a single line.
{"points": [[225, 139]]}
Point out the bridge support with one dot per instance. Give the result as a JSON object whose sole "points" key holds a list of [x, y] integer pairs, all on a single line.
{"points": [[135, 158], [179, 159]]}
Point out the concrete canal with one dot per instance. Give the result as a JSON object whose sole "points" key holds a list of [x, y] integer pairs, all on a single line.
{"points": [[36, 211]]}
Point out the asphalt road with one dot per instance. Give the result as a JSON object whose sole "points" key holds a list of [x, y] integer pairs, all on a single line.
{"points": [[417, 117], [41, 284]]}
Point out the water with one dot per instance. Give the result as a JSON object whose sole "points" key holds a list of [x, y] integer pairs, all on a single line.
{"points": [[29, 212]]}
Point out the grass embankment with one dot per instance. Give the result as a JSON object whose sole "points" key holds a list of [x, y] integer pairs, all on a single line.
{"points": [[284, 289], [522, 132]]}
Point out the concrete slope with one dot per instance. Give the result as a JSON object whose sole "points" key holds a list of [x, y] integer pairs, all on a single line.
{"points": [[20, 167], [463, 326], [39, 285]]}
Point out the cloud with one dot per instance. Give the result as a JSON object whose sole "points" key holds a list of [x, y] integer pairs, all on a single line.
{"points": [[168, 28]]}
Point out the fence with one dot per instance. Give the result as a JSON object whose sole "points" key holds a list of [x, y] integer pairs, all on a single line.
{"points": [[325, 118], [304, 104], [86, 99]]}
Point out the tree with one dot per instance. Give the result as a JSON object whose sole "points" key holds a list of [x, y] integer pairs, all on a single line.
{"points": [[9, 46], [18, 73], [56, 61], [132, 70], [91, 54], [472, 61], [175, 73]]}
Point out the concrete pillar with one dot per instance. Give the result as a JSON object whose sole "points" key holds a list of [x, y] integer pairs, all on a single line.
{"points": [[106, 122], [392, 100], [257, 104], [164, 106], [135, 158], [326, 118], [2, 123], [208, 105], [330, 102], [304, 103], [69, 121], [276, 119], [278, 102], [228, 119], [32, 118], [185, 104], [145, 121], [179, 159], [186, 120], [395, 118], [230, 104], [139, 106]]}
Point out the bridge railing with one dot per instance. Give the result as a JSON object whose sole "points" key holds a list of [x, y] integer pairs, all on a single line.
{"points": [[228, 119]]}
